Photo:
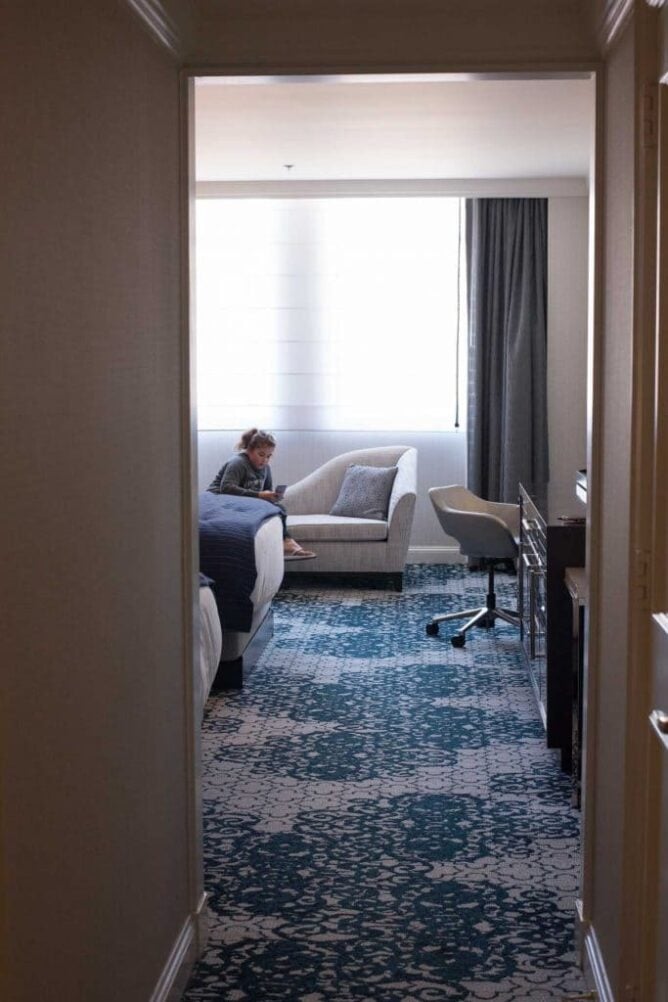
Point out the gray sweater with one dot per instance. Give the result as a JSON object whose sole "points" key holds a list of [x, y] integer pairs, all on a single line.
{"points": [[239, 476]]}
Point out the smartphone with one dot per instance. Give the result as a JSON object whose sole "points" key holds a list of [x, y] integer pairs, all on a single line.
{"points": [[280, 490]]}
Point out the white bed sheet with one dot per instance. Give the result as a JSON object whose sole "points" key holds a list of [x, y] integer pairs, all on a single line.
{"points": [[270, 565], [211, 643]]}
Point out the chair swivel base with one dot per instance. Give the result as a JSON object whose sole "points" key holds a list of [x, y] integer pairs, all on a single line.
{"points": [[484, 617]]}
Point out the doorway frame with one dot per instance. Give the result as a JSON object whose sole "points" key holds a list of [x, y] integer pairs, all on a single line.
{"points": [[590, 956]]}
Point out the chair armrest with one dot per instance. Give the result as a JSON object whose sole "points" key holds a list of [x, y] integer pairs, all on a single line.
{"points": [[508, 513], [399, 526], [403, 497]]}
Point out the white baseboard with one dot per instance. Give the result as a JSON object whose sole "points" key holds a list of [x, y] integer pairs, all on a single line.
{"points": [[595, 971], [187, 948], [434, 555]]}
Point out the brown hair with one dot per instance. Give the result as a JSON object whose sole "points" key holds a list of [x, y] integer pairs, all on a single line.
{"points": [[255, 439]]}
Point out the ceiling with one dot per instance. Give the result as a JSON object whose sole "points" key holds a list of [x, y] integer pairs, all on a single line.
{"points": [[413, 127]]}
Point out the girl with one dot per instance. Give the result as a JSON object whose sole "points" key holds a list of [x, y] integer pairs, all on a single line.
{"points": [[248, 474]]}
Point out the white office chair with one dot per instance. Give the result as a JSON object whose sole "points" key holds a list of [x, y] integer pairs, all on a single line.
{"points": [[486, 530]]}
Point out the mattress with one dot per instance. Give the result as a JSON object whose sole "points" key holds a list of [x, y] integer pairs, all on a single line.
{"points": [[210, 647], [270, 568]]}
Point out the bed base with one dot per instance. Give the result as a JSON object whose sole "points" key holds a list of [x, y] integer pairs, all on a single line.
{"points": [[230, 674]]}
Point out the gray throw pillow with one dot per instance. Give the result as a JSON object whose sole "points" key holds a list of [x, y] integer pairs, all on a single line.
{"points": [[365, 492]]}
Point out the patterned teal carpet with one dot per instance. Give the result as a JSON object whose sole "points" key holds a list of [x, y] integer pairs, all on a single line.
{"points": [[382, 819]]}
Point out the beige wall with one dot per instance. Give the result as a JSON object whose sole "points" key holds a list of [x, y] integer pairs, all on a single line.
{"points": [[567, 303], [95, 801], [613, 491], [299, 35]]}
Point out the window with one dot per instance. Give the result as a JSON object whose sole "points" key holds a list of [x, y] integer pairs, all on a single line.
{"points": [[329, 313]]}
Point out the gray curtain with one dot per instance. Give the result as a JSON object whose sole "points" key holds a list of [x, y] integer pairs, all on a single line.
{"points": [[506, 261]]}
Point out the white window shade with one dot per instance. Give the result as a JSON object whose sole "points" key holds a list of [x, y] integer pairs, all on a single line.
{"points": [[328, 313]]}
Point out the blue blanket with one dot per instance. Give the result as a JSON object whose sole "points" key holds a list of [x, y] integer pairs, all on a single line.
{"points": [[227, 529]]}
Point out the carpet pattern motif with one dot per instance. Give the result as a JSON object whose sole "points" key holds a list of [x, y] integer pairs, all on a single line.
{"points": [[382, 819]]}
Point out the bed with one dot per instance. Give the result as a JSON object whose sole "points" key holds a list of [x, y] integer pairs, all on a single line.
{"points": [[210, 642], [241, 553]]}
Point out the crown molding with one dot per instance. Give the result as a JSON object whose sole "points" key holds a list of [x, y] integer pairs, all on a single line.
{"points": [[161, 25]]}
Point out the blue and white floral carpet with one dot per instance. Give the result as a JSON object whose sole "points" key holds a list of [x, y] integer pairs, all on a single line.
{"points": [[382, 819]]}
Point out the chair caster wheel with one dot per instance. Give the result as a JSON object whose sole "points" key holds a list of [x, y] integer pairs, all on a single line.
{"points": [[432, 629], [458, 640]]}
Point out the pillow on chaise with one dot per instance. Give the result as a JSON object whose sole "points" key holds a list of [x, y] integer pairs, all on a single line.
{"points": [[365, 492]]}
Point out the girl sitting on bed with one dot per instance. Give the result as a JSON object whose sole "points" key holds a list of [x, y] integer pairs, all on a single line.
{"points": [[248, 474]]}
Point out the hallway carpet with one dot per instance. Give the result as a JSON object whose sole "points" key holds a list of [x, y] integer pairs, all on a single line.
{"points": [[382, 819]]}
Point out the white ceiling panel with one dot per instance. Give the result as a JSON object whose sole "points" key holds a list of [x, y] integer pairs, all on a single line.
{"points": [[348, 128]]}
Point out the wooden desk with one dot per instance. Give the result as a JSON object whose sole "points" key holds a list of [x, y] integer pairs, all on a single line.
{"points": [[548, 545]]}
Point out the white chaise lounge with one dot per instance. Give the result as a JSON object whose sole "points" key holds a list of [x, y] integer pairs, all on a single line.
{"points": [[346, 545]]}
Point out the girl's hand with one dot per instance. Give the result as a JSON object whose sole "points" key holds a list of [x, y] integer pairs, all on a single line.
{"points": [[268, 495]]}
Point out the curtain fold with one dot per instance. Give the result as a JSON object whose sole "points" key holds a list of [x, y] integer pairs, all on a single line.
{"points": [[506, 262]]}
